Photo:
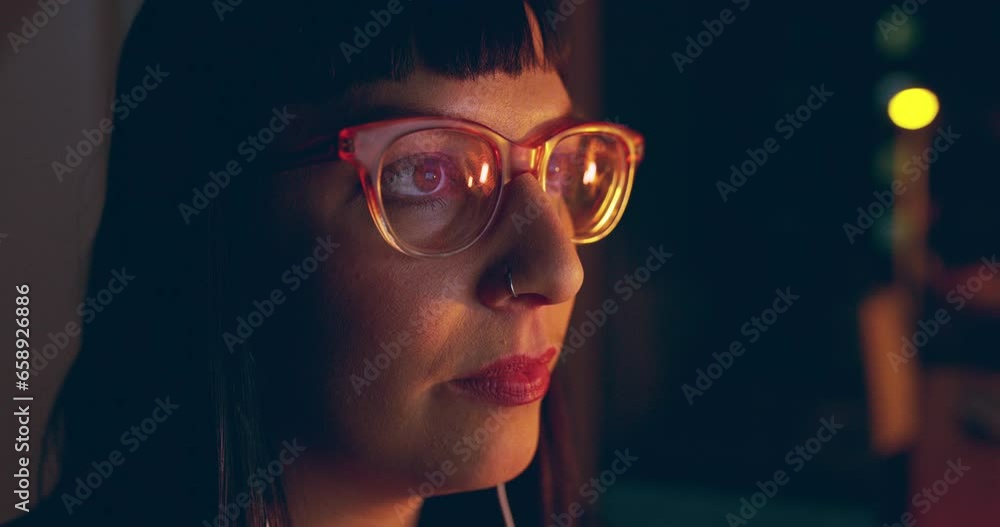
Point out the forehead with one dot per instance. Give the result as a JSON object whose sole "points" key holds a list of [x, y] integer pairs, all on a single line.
{"points": [[514, 106]]}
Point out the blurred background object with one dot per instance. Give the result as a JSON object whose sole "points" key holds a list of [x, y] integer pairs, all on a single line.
{"points": [[57, 67]]}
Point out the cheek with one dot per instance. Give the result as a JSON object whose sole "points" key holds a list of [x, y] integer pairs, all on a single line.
{"points": [[383, 304], [385, 334], [386, 403]]}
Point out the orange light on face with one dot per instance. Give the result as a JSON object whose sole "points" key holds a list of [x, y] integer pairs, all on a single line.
{"points": [[591, 174], [484, 173]]}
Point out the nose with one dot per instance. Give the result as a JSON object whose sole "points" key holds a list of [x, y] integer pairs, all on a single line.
{"points": [[532, 234]]}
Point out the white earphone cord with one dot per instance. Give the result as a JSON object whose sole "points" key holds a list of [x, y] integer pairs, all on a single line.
{"points": [[508, 518]]}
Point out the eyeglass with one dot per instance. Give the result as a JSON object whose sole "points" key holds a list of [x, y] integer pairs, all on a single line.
{"points": [[434, 185]]}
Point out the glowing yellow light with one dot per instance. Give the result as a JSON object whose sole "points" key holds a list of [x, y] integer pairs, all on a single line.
{"points": [[470, 181], [484, 173], [913, 108], [591, 174]]}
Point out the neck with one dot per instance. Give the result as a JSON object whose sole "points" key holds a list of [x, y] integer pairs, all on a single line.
{"points": [[323, 493]]}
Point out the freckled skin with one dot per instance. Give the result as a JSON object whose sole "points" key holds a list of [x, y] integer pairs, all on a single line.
{"points": [[407, 422]]}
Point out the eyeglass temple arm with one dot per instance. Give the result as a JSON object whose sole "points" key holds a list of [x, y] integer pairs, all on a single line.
{"points": [[640, 144]]}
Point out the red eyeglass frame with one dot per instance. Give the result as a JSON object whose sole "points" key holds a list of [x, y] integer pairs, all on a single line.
{"points": [[364, 146]]}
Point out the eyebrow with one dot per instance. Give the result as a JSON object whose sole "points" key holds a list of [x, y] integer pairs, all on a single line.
{"points": [[348, 115], [381, 112]]}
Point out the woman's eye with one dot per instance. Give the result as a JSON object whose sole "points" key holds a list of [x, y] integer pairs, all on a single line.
{"points": [[559, 171], [419, 175]]}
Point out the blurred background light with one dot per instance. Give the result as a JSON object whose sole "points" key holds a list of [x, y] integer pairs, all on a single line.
{"points": [[913, 108], [897, 40]]}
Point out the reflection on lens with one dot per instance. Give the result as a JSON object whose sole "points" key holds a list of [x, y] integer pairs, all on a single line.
{"points": [[438, 188], [588, 170]]}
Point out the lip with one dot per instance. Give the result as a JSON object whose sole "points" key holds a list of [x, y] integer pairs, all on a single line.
{"points": [[510, 381]]}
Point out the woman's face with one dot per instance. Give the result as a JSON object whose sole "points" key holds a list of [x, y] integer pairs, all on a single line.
{"points": [[391, 334]]}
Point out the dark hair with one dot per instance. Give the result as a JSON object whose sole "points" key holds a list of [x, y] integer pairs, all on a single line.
{"points": [[226, 67]]}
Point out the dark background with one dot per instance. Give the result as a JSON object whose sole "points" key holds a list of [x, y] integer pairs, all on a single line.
{"points": [[782, 228]]}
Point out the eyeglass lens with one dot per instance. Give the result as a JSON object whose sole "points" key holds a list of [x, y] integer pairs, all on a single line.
{"points": [[439, 187]]}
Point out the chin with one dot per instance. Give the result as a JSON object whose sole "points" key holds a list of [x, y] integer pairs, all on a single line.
{"points": [[496, 452]]}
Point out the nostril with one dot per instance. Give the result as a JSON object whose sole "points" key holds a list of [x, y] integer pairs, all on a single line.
{"points": [[531, 300]]}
